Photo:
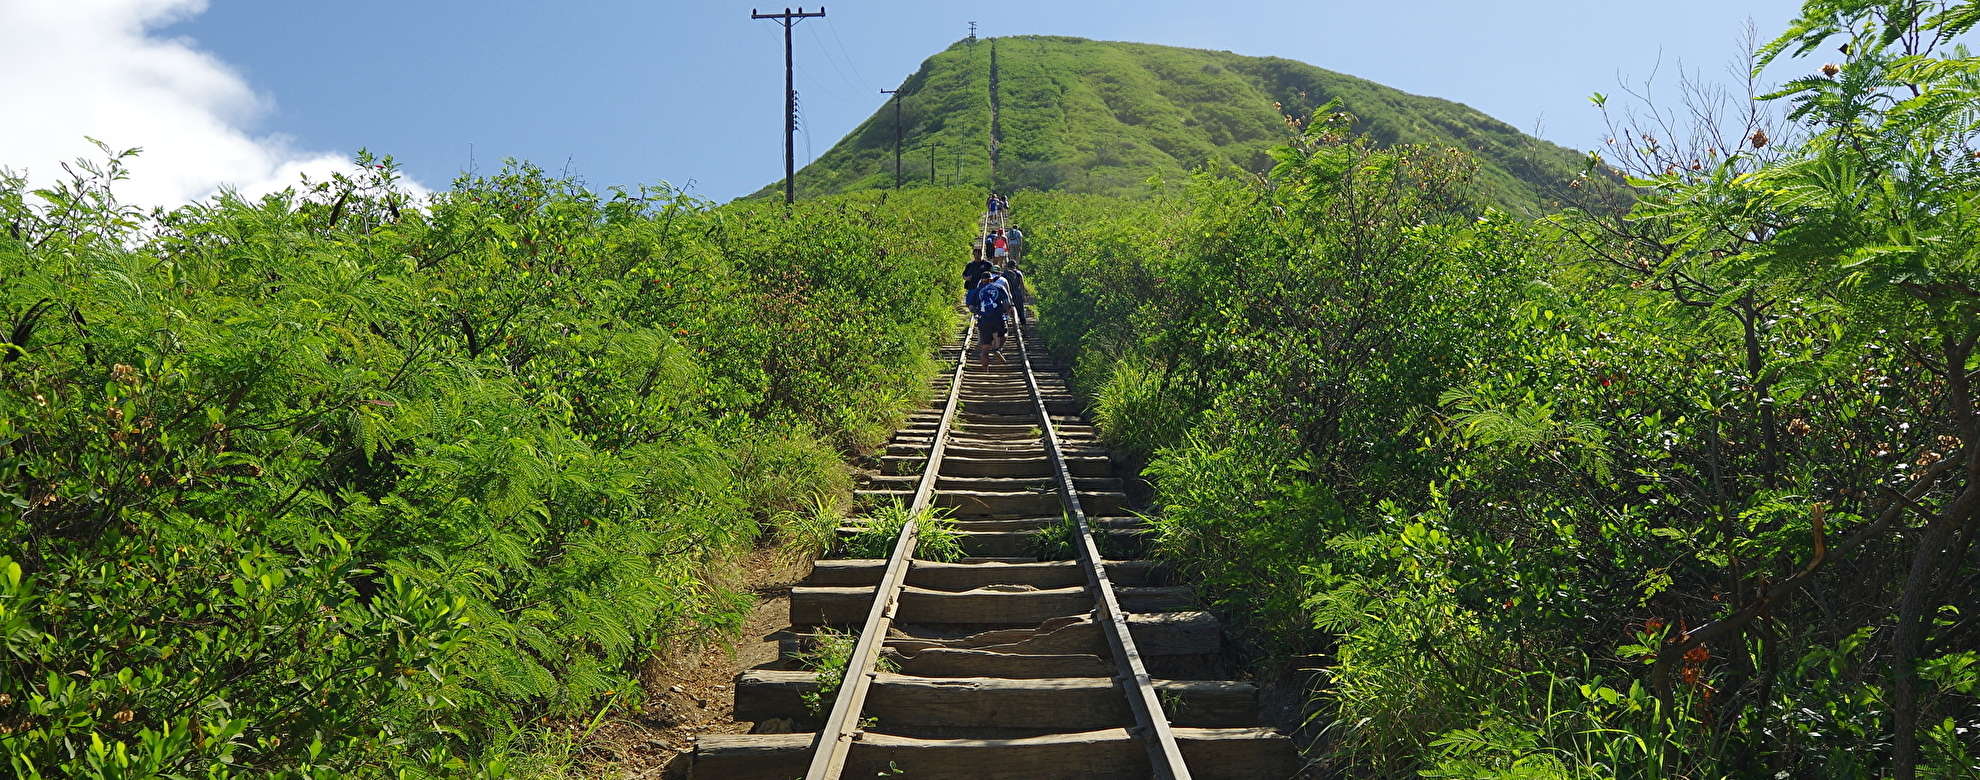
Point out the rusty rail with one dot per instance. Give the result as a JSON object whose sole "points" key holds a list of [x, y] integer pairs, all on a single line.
{"points": [[841, 730], [1164, 756]]}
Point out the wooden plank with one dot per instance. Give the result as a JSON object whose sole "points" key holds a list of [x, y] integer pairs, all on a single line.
{"points": [[1108, 754], [1036, 523], [762, 695], [903, 701], [990, 405], [1162, 633], [959, 662], [838, 606], [1012, 605], [1176, 633], [983, 502], [751, 756], [957, 466], [1024, 502], [968, 576], [997, 544], [991, 484], [1010, 484], [997, 453]]}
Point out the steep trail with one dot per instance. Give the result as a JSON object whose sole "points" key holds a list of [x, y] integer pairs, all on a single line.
{"points": [[996, 125], [1004, 665]]}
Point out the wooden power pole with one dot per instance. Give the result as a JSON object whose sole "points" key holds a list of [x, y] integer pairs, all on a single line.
{"points": [[897, 134], [789, 19]]}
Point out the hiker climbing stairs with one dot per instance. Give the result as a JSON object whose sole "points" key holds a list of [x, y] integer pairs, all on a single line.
{"points": [[1054, 649]]}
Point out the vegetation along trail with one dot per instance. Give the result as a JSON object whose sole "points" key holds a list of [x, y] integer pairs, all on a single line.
{"points": [[1001, 644], [1658, 462]]}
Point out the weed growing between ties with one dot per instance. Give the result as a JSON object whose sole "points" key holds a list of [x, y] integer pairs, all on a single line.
{"points": [[335, 482], [1055, 542], [1060, 542], [830, 655], [937, 538]]}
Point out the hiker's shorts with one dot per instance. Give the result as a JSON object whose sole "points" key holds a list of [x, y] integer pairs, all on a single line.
{"points": [[987, 327]]}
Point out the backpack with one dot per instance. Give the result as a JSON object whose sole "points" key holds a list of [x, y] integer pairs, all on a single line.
{"points": [[990, 299], [1015, 278]]}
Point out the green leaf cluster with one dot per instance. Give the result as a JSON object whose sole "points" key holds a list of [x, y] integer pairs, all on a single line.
{"points": [[1492, 474], [344, 481]]}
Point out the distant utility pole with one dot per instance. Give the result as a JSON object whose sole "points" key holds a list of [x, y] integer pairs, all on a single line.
{"points": [[897, 134], [789, 20], [931, 165], [972, 32]]}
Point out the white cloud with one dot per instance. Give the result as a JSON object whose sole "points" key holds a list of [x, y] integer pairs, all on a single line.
{"points": [[93, 68]]}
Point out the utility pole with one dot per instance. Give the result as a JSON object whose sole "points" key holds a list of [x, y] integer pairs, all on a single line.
{"points": [[789, 20], [931, 165], [897, 134]]}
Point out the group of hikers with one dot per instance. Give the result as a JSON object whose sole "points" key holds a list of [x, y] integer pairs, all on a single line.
{"points": [[994, 282]]}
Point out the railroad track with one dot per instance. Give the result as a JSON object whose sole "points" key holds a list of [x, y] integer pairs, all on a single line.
{"points": [[1005, 666]]}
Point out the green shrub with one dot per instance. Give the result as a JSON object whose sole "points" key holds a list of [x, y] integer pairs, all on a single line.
{"points": [[1493, 486], [936, 537], [333, 482]]}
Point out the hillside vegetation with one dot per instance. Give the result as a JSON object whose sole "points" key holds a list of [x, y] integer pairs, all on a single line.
{"points": [[1103, 117], [1687, 492], [334, 483], [1678, 484]]}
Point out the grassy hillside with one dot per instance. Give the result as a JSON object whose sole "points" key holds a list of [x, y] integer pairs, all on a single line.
{"points": [[1102, 117]]}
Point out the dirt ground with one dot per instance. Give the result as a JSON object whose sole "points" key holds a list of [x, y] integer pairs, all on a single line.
{"points": [[692, 692]]}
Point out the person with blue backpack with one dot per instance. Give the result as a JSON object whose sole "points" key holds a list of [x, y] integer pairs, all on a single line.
{"points": [[989, 302]]}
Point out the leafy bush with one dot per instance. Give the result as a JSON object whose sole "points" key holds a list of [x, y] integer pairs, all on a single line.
{"points": [[1680, 491], [334, 482]]}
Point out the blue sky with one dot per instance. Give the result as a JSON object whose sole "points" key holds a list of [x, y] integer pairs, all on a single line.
{"points": [[688, 91]]}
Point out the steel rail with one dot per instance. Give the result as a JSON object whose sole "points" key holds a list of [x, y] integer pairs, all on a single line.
{"points": [[835, 740], [1164, 756]]}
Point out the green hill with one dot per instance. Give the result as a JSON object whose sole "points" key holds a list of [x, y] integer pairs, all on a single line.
{"points": [[1102, 117]]}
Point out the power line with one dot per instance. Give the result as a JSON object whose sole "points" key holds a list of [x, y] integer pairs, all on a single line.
{"points": [[842, 50], [789, 19], [833, 61], [897, 134]]}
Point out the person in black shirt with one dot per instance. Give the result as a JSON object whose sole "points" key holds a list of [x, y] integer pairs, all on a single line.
{"points": [[976, 268]]}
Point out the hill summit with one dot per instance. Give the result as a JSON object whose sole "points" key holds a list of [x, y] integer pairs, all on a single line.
{"points": [[1058, 113]]}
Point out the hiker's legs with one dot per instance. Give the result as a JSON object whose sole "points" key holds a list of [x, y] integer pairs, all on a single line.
{"points": [[986, 340], [992, 338]]}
